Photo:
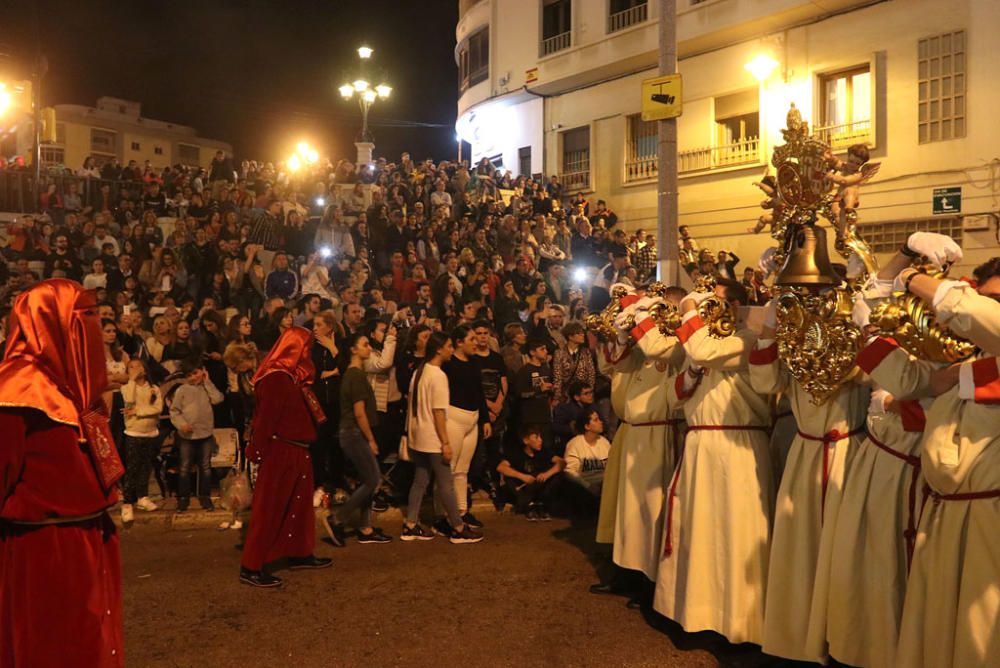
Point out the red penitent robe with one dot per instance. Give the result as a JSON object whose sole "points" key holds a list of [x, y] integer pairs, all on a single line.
{"points": [[60, 584], [282, 523]]}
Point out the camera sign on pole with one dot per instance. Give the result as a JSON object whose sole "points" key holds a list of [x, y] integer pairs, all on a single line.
{"points": [[661, 98]]}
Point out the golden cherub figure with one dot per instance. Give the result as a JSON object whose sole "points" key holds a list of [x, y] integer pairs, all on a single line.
{"points": [[848, 176], [772, 204]]}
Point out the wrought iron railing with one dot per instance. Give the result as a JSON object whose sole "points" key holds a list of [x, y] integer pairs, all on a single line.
{"points": [[742, 152], [845, 134], [628, 17], [641, 168], [556, 43]]}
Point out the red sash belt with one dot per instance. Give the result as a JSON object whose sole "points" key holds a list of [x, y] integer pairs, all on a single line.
{"points": [[911, 518], [668, 547], [827, 440], [963, 496]]}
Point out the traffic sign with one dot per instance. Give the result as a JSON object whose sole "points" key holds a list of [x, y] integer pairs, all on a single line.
{"points": [[661, 97], [947, 200]]}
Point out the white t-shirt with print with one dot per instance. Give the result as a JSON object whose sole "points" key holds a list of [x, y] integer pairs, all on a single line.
{"points": [[586, 462]]}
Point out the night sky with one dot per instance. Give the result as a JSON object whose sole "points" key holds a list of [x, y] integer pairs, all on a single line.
{"points": [[260, 75]]}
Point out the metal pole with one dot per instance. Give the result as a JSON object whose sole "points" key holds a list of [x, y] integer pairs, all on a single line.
{"points": [[667, 210], [36, 103]]}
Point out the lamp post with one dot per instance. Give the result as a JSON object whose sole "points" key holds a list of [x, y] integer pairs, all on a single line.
{"points": [[366, 95]]}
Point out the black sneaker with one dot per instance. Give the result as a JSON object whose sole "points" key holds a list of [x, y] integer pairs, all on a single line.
{"points": [[380, 503], [442, 528], [312, 561], [206, 503], [531, 515], [258, 579], [416, 532], [466, 535], [542, 515], [471, 521], [182, 504], [335, 531], [375, 537]]}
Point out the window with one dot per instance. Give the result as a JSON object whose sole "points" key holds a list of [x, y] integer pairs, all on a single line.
{"points": [[641, 149], [136, 146], [557, 25], [941, 95], [102, 140], [189, 154], [625, 13], [158, 150], [474, 60], [524, 161], [52, 155], [736, 135], [846, 109], [888, 237], [576, 158]]}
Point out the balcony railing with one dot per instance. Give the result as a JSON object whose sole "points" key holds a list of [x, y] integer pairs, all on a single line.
{"points": [[556, 43], [641, 168], [743, 152], [846, 134], [577, 171], [628, 17]]}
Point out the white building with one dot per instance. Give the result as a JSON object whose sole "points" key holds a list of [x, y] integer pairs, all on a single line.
{"points": [[553, 87], [116, 128]]}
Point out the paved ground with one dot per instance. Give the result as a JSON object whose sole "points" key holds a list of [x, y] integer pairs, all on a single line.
{"points": [[518, 598]]}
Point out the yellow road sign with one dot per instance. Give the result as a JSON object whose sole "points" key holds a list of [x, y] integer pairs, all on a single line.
{"points": [[661, 97]]}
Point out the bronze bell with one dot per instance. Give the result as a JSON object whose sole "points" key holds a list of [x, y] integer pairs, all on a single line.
{"points": [[807, 260]]}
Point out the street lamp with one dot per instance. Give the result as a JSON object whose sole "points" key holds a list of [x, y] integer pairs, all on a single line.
{"points": [[5, 98], [761, 66], [366, 94]]}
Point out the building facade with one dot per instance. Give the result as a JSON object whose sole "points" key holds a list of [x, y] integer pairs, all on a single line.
{"points": [[553, 87], [116, 128]]}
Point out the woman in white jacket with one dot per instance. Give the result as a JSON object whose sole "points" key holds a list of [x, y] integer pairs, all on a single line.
{"points": [[143, 405]]}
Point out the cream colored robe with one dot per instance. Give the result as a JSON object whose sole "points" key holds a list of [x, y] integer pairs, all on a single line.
{"points": [[951, 614], [795, 618], [619, 364], [720, 524], [875, 527], [647, 456]]}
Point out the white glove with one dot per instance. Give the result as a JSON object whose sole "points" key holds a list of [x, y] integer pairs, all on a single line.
{"points": [[627, 313], [855, 266], [877, 404], [771, 315], [766, 262], [861, 312], [899, 283], [645, 303], [939, 249], [877, 288]]}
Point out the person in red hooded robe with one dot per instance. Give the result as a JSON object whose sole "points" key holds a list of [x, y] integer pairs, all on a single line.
{"points": [[60, 566], [287, 413]]}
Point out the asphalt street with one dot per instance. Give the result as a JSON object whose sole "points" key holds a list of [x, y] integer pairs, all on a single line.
{"points": [[518, 598]]}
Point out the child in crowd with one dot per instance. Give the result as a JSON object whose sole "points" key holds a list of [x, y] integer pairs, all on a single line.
{"points": [[192, 416], [587, 453], [531, 475], [143, 405]]}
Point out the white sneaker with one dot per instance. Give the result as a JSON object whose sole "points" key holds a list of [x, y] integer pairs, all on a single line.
{"points": [[146, 503], [127, 514], [237, 524], [318, 497]]}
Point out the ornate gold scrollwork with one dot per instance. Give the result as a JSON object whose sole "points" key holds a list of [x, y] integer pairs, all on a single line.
{"points": [[717, 314], [817, 340], [603, 324]]}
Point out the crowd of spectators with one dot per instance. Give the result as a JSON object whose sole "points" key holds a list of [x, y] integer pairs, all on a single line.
{"points": [[199, 270]]}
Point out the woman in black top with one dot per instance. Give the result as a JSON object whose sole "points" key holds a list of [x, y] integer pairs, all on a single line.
{"points": [[467, 411], [411, 356], [327, 457]]}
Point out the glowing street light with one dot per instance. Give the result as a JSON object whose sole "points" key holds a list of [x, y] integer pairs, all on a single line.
{"points": [[761, 66], [365, 92], [5, 98]]}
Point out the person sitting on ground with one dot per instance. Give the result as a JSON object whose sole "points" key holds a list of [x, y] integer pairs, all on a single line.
{"points": [[530, 475], [566, 414], [587, 453]]}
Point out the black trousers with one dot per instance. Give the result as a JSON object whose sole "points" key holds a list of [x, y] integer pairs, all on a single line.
{"points": [[524, 495]]}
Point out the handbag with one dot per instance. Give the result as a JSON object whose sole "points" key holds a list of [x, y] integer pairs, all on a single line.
{"points": [[404, 441]]}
